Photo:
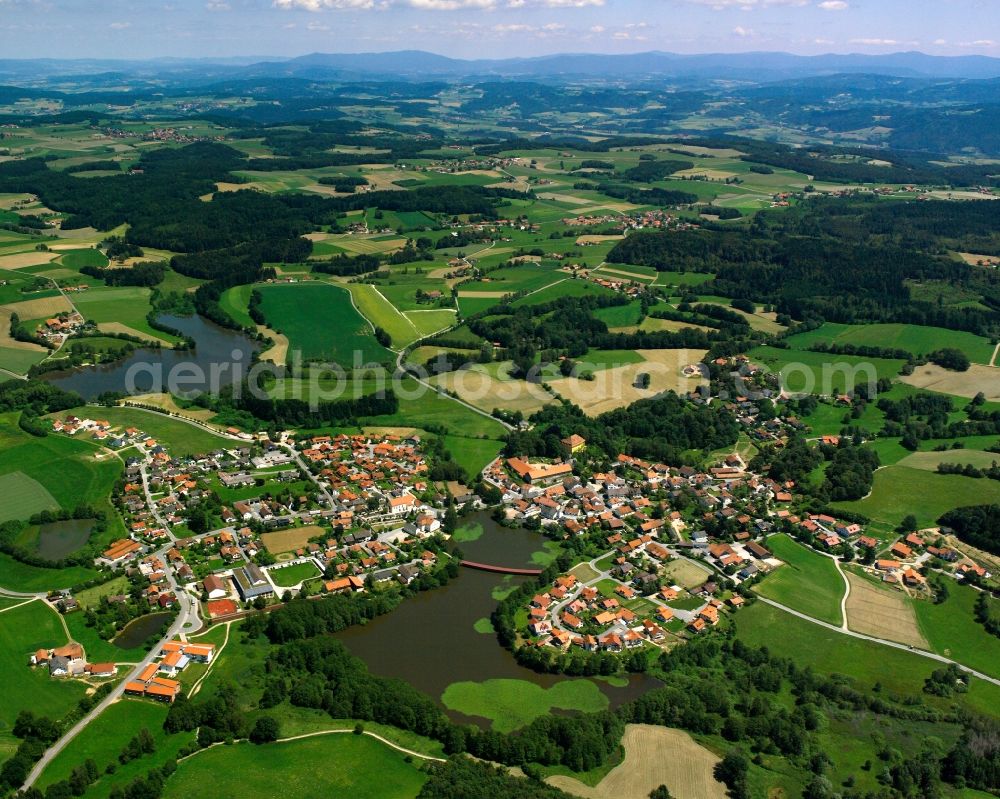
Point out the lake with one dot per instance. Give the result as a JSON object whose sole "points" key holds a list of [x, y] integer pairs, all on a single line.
{"points": [[57, 540], [430, 640], [215, 346], [137, 631]]}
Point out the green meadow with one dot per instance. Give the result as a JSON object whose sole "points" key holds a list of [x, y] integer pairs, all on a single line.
{"points": [[321, 322], [808, 582], [901, 490], [310, 768], [917, 339]]}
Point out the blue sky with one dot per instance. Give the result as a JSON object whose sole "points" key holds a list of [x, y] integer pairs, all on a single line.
{"points": [[492, 28]]}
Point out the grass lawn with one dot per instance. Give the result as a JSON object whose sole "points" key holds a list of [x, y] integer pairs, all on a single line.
{"points": [[900, 490], [288, 576], [179, 437], [511, 704], [830, 652], [321, 322], [312, 768], [952, 630], [24, 630], [808, 582]]}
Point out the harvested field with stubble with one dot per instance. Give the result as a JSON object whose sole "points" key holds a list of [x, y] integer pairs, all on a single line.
{"points": [[654, 756], [883, 613], [479, 388], [615, 387], [290, 540], [23, 259], [40, 308], [963, 384]]}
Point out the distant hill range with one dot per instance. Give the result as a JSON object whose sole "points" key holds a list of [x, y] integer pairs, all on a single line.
{"points": [[419, 65]]}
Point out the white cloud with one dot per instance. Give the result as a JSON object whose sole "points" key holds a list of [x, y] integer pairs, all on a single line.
{"points": [[321, 5], [875, 42], [978, 43], [747, 5], [120, 26], [742, 32], [215, 5], [426, 5], [834, 5]]}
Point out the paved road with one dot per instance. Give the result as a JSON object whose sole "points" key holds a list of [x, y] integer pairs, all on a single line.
{"points": [[893, 644], [115, 694]]}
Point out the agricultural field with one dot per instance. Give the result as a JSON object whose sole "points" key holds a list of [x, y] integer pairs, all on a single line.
{"points": [[616, 387], [321, 323], [290, 768], [831, 652], [882, 612], [123, 307], [374, 307], [978, 379], [489, 389], [901, 490], [511, 704], [807, 582], [917, 339], [51, 472], [687, 771], [422, 408], [803, 371]]}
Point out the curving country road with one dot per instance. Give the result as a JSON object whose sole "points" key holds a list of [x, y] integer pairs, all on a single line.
{"points": [[873, 639]]}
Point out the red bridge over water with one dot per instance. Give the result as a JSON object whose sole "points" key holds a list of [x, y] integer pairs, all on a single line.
{"points": [[486, 567]]}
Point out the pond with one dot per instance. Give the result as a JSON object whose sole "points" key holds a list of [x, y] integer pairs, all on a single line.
{"points": [[431, 640], [137, 631], [57, 540], [216, 348]]}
